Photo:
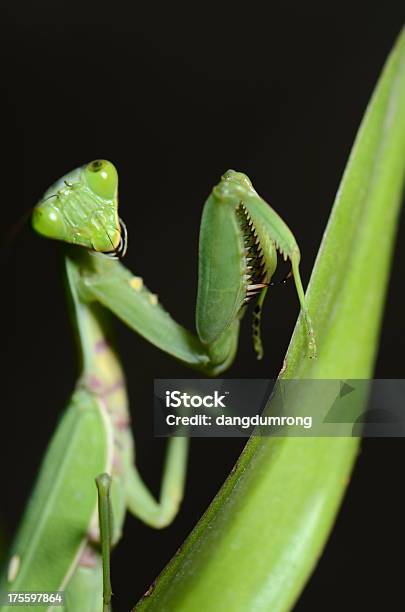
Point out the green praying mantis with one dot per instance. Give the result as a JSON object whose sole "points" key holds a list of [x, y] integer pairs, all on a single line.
{"points": [[65, 536]]}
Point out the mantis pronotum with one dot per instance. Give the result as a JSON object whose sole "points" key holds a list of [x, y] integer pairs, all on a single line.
{"points": [[57, 546]]}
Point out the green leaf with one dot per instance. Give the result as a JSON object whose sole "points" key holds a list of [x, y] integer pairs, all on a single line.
{"points": [[259, 540]]}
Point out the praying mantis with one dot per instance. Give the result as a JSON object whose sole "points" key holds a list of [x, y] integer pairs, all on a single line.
{"points": [[58, 544]]}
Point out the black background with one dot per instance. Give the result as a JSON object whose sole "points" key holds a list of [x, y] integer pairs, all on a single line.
{"points": [[175, 96]]}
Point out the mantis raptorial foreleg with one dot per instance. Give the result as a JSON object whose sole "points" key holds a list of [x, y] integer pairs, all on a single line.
{"points": [[239, 239]]}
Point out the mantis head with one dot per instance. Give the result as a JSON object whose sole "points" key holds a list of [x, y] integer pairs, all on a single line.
{"points": [[82, 209]]}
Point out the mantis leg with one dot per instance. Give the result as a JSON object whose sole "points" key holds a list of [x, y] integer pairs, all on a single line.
{"points": [[140, 501], [295, 259], [108, 282], [103, 483]]}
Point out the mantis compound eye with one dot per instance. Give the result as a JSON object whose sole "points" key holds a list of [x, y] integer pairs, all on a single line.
{"points": [[102, 178], [48, 221]]}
